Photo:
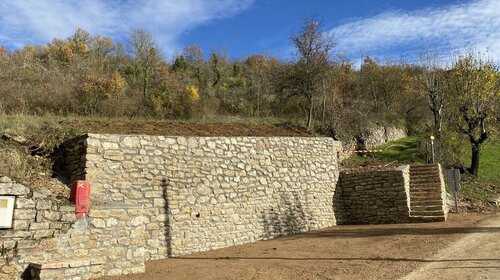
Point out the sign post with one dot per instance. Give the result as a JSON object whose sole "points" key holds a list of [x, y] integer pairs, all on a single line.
{"points": [[454, 183]]}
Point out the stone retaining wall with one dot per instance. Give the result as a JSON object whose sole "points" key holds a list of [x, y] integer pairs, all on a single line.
{"points": [[203, 193], [375, 197], [44, 231], [373, 137], [72, 159]]}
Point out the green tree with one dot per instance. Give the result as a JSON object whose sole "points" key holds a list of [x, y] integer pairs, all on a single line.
{"points": [[474, 85]]}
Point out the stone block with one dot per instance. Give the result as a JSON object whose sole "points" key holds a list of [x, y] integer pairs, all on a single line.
{"points": [[43, 204], [24, 214], [39, 226], [22, 203], [43, 233], [98, 223], [13, 189]]}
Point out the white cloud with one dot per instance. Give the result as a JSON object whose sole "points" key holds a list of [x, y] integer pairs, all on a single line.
{"points": [[38, 21], [475, 24]]}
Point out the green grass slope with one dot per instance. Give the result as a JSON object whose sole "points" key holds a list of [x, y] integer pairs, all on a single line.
{"points": [[402, 151]]}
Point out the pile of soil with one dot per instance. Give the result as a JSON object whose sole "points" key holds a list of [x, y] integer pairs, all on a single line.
{"points": [[40, 159], [187, 129]]}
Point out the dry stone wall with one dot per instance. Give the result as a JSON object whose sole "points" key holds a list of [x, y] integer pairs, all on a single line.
{"points": [[202, 193], [375, 197], [46, 236], [71, 163], [373, 137]]}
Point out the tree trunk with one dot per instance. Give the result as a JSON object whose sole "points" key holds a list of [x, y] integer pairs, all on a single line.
{"points": [[437, 125], [323, 114], [145, 84], [474, 166], [310, 115]]}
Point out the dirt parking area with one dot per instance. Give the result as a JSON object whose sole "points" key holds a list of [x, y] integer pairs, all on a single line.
{"points": [[341, 252]]}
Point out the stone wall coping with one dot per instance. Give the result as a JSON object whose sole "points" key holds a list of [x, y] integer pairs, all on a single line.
{"points": [[403, 167]]}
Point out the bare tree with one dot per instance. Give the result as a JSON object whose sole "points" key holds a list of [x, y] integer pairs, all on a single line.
{"points": [[147, 55], [314, 49], [433, 79]]}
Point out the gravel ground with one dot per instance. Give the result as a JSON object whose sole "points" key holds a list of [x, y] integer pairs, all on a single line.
{"points": [[341, 252]]}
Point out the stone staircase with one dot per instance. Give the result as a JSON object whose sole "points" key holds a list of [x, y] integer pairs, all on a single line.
{"points": [[427, 193]]}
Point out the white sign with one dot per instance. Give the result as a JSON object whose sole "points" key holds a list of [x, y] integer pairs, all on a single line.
{"points": [[6, 211]]}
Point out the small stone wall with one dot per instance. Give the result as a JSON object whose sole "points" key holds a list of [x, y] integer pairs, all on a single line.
{"points": [[373, 137], [375, 197], [202, 193], [71, 162], [377, 136], [111, 244], [44, 232], [36, 217]]}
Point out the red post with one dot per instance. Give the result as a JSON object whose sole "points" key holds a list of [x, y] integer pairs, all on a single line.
{"points": [[80, 196]]}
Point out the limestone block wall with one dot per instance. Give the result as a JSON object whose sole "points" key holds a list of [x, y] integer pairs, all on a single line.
{"points": [[375, 197], [44, 232], [112, 243], [373, 137], [202, 193], [36, 217], [376, 136]]}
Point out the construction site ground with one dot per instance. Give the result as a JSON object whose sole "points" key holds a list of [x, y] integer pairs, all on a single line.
{"points": [[466, 245]]}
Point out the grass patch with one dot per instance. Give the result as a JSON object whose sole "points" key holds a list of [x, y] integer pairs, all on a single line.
{"points": [[405, 150], [489, 160], [478, 188]]}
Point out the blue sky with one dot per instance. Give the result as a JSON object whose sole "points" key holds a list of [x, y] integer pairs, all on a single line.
{"points": [[385, 29]]}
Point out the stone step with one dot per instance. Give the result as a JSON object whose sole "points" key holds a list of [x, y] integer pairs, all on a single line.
{"points": [[424, 198], [427, 213], [426, 208], [425, 188], [427, 219], [424, 174], [424, 167], [426, 183], [425, 202], [432, 194], [425, 177]]}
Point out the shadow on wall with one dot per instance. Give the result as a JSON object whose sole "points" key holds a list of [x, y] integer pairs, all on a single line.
{"points": [[168, 235], [288, 217], [338, 204], [28, 275]]}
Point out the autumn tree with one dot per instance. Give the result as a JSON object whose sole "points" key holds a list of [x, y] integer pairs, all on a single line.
{"points": [[308, 74], [147, 56], [474, 90]]}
